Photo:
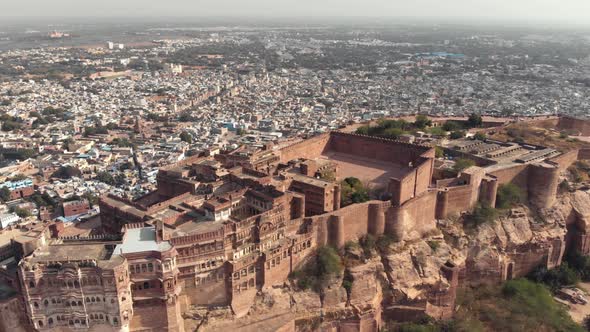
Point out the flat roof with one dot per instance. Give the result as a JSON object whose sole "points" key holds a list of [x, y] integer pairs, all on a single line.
{"points": [[71, 252], [140, 240]]}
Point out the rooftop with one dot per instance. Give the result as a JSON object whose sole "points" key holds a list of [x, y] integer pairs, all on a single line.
{"points": [[72, 252], [140, 240]]}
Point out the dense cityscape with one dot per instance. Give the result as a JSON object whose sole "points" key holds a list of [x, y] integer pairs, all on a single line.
{"points": [[293, 177]]}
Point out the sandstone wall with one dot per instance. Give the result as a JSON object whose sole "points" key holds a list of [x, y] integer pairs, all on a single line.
{"points": [[308, 149], [517, 175], [413, 219], [12, 316], [207, 293], [459, 199], [378, 148], [578, 125], [350, 223], [565, 159], [584, 154], [542, 185]]}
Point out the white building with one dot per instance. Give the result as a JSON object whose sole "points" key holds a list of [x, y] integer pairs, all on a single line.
{"points": [[7, 219]]}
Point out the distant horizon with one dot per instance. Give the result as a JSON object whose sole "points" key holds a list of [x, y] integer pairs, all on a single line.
{"points": [[525, 12], [176, 20]]}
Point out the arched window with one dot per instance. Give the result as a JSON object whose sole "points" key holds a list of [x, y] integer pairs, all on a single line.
{"points": [[31, 284], [80, 303], [92, 299], [77, 321], [45, 303], [87, 299], [58, 318], [50, 321], [36, 305], [98, 299], [146, 285], [151, 267], [71, 322], [40, 323], [115, 321], [100, 316], [53, 301]]}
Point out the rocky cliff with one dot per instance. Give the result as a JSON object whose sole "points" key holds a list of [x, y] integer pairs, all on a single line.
{"points": [[405, 280]]}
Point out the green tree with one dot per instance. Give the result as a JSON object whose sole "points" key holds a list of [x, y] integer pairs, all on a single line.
{"points": [[186, 137], [474, 120], [66, 172], [457, 134], [451, 126], [105, 177], [422, 121], [508, 195], [23, 213], [480, 136], [4, 194]]}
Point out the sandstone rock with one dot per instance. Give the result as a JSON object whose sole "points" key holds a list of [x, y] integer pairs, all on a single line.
{"points": [[581, 205], [416, 268], [366, 287], [518, 229], [335, 297], [306, 301]]}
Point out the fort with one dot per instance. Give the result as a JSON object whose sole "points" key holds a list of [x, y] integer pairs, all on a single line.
{"points": [[219, 229]]}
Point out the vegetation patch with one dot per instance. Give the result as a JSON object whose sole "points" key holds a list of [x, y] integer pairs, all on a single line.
{"points": [[317, 273]]}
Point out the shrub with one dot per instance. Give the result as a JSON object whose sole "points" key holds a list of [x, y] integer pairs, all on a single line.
{"points": [[368, 243], [325, 264], [347, 281], [437, 131], [580, 263], [457, 134], [439, 152], [462, 164], [556, 278], [508, 195], [483, 213], [434, 245], [452, 126], [535, 302], [480, 136], [384, 241], [353, 191]]}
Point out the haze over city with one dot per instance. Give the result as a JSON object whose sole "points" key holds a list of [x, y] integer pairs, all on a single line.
{"points": [[294, 166], [567, 11]]}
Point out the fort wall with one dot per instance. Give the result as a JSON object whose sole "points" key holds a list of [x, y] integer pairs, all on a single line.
{"points": [[565, 159], [376, 148], [580, 126], [543, 183], [414, 218], [308, 149]]}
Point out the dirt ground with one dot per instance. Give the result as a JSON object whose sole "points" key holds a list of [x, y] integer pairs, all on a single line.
{"points": [[372, 172], [579, 311]]}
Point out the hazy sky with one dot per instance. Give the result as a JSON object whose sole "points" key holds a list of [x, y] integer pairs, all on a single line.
{"points": [[573, 11]]}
